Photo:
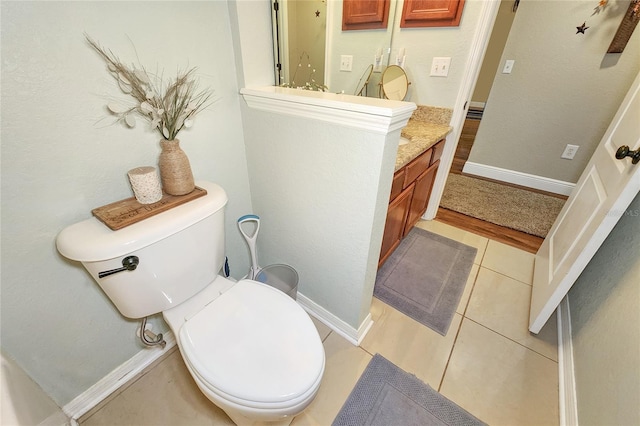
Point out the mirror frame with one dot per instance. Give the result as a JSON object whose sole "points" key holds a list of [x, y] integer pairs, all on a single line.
{"points": [[403, 89]]}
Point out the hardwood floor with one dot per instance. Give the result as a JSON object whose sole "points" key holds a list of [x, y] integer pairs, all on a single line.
{"points": [[468, 135], [509, 236], [521, 240]]}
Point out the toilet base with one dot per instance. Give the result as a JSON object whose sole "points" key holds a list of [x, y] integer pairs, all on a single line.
{"points": [[241, 420]]}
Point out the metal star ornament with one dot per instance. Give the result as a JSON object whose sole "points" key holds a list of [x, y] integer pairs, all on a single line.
{"points": [[582, 28]]}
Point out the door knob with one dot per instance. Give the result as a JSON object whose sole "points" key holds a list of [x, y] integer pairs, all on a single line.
{"points": [[624, 152], [129, 263]]}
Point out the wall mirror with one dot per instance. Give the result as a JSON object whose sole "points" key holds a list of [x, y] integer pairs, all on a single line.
{"points": [[308, 36]]}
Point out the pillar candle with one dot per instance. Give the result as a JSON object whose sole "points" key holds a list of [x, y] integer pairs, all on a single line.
{"points": [[145, 182]]}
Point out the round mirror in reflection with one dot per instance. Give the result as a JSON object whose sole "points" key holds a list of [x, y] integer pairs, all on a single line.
{"points": [[395, 83], [364, 80]]}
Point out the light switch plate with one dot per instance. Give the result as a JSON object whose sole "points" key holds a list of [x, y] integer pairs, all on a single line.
{"points": [[346, 62], [440, 66], [508, 66]]}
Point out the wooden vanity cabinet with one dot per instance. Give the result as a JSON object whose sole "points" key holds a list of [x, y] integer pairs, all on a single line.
{"points": [[420, 199], [410, 192], [396, 220]]}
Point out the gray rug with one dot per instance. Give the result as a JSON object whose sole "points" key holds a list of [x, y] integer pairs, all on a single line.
{"points": [[385, 395], [503, 205], [424, 278]]}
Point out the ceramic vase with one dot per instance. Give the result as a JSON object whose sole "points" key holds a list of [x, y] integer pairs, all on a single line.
{"points": [[175, 170]]}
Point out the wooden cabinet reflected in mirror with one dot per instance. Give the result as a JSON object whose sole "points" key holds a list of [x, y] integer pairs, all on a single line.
{"points": [[431, 13], [365, 14]]}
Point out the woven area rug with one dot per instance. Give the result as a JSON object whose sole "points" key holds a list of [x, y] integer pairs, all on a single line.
{"points": [[502, 205], [385, 395], [424, 278]]}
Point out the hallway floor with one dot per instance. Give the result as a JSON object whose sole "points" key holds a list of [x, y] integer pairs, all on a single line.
{"points": [[488, 363]]}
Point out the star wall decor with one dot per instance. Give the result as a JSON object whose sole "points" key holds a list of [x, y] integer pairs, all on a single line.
{"points": [[626, 28], [582, 28]]}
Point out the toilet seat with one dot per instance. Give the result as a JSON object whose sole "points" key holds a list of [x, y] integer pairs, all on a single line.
{"points": [[254, 346]]}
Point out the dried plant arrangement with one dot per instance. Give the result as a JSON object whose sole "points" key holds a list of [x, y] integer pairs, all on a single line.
{"points": [[167, 106], [310, 83]]}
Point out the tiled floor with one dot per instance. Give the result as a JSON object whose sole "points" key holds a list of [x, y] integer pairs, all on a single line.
{"points": [[488, 362]]}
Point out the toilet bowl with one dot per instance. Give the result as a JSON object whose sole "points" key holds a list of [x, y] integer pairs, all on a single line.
{"points": [[250, 348], [253, 351]]}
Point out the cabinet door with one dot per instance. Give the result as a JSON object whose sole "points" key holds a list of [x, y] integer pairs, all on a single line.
{"points": [[364, 14], [420, 199], [394, 227], [431, 13]]}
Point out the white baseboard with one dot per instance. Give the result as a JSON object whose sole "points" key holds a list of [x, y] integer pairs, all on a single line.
{"points": [[519, 178], [335, 323], [116, 378], [122, 374], [566, 373], [56, 419]]}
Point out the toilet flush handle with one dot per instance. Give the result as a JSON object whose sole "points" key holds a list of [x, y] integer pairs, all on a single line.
{"points": [[129, 263]]}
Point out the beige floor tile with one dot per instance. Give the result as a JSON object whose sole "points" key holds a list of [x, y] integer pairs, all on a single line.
{"points": [[468, 287], [456, 234], [501, 304], [344, 366], [500, 381], [323, 330], [408, 344], [510, 261], [167, 395], [125, 386]]}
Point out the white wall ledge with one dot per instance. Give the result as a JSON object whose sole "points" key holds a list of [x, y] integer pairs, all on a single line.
{"points": [[376, 115]]}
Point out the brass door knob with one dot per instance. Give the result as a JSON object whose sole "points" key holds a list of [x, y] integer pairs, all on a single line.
{"points": [[624, 152]]}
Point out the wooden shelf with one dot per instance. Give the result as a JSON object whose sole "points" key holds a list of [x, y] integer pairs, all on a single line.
{"points": [[129, 211]]}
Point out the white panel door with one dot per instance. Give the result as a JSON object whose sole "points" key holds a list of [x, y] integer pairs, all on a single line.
{"points": [[601, 196]]}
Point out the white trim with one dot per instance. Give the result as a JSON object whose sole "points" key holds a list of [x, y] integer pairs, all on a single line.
{"points": [[471, 70], [56, 419], [474, 104], [116, 378], [518, 178], [371, 114], [566, 373], [334, 323]]}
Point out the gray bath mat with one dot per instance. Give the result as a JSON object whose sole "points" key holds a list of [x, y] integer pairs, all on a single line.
{"points": [[385, 395], [424, 278]]}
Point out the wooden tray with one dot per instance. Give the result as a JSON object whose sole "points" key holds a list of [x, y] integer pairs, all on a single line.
{"points": [[129, 211]]}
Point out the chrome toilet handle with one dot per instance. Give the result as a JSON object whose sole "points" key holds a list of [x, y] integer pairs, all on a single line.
{"points": [[129, 263]]}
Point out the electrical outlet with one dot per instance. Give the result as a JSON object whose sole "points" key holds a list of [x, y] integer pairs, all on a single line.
{"points": [[569, 152], [440, 66], [346, 62]]}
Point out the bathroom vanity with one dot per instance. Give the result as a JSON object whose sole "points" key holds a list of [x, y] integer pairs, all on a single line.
{"points": [[417, 163]]}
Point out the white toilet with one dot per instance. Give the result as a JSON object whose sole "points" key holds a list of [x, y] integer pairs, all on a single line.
{"points": [[251, 349]]}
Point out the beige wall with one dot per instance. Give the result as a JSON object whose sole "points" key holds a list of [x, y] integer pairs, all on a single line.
{"points": [[491, 60], [605, 321], [564, 89]]}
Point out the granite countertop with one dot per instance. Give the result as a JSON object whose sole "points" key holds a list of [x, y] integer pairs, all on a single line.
{"points": [[426, 126]]}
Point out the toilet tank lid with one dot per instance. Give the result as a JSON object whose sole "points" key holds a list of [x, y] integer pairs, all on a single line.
{"points": [[92, 241]]}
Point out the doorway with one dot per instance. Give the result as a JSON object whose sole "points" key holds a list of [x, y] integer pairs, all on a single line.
{"points": [[491, 65]]}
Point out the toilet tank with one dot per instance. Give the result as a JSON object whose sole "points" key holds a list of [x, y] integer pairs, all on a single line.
{"points": [[180, 252]]}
